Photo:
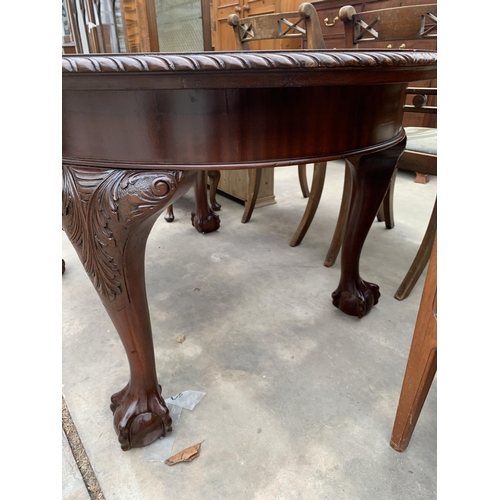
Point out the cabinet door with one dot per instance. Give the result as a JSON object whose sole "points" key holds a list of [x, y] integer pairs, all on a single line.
{"points": [[224, 34]]}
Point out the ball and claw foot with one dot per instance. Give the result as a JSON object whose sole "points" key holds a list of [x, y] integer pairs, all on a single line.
{"points": [[206, 224], [358, 302], [139, 418], [215, 206]]}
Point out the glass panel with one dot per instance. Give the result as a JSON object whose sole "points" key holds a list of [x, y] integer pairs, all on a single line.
{"points": [[179, 25], [65, 20], [119, 25]]}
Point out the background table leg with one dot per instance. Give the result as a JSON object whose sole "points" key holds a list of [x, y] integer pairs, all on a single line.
{"points": [[108, 215], [370, 175], [204, 219]]}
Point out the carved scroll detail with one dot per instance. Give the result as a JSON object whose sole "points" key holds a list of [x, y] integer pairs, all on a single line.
{"points": [[94, 201]]}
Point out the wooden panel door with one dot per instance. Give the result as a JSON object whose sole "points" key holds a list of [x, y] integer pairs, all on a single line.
{"points": [[223, 33]]}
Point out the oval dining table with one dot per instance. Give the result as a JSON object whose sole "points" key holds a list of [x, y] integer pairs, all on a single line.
{"points": [[140, 129]]}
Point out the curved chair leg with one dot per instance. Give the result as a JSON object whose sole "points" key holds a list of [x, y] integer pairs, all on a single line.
{"points": [[421, 259], [312, 204], [422, 363], [303, 181], [214, 177], [169, 214], [380, 213], [254, 177], [387, 207], [338, 235]]}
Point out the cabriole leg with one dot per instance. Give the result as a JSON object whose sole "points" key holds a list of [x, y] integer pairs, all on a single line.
{"points": [[370, 175], [107, 215]]}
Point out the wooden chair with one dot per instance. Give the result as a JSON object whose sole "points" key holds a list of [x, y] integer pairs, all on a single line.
{"points": [[420, 156], [213, 177], [422, 361], [303, 23]]}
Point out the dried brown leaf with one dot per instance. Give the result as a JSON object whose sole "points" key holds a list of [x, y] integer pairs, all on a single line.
{"points": [[185, 455], [181, 338]]}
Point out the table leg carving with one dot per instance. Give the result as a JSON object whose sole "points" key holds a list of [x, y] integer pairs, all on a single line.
{"points": [[107, 215], [204, 219], [371, 174]]}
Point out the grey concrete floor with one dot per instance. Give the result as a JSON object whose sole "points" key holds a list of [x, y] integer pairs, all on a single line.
{"points": [[300, 398]]}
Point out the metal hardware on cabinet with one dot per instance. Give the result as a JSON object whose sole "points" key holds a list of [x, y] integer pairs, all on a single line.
{"points": [[237, 9], [246, 8], [389, 46], [331, 24], [402, 46]]}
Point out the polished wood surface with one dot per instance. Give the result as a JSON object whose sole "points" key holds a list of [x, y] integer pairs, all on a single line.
{"points": [[422, 361], [333, 34], [299, 24], [138, 128], [395, 24]]}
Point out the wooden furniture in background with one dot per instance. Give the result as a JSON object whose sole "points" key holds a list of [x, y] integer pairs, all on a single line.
{"points": [[112, 26], [420, 155], [120, 171], [232, 182], [422, 361], [299, 24], [223, 36], [381, 26], [333, 34]]}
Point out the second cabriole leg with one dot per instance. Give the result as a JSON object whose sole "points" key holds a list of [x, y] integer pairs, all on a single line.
{"points": [[371, 174]]}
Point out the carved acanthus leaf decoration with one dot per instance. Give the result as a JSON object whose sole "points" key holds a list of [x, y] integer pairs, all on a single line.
{"points": [[100, 208]]}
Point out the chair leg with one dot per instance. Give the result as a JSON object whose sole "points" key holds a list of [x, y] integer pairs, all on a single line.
{"points": [[421, 259], [387, 206], [254, 177], [214, 176], [380, 213], [312, 203], [169, 214], [421, 178], [338, 235], [422, 363], [303, 180]]}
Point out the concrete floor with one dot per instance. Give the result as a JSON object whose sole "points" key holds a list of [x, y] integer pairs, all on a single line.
{"points": [[300, 398]]}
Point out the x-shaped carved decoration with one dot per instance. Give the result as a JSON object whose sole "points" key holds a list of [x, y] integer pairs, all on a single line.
{"points": [[246, 32], [366, 28], [429, 24], [287, 28]]}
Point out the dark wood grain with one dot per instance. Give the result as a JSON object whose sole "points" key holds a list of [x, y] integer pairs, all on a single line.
{"points": [[138, 127]]}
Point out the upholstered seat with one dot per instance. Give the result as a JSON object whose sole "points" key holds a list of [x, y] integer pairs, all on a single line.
{"points": [[421, 140]]}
